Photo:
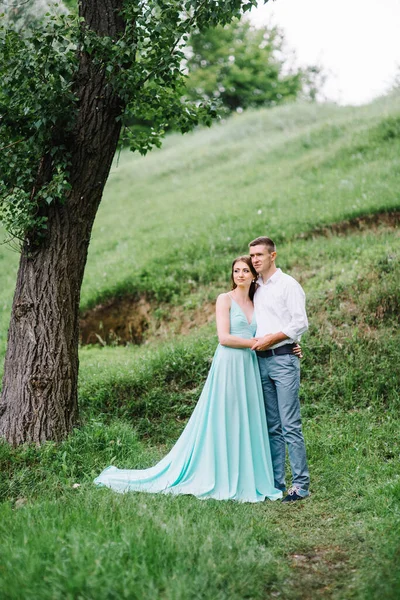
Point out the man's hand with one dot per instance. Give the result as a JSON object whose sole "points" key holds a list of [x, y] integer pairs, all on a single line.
{"points": [[269, 340], [265, 342]]}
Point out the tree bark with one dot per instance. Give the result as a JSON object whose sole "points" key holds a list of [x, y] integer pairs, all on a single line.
{"points": [[39, 396]]}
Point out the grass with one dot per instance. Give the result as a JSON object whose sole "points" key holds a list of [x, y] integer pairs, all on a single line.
{"points": [[88, 543], [302, 166]]}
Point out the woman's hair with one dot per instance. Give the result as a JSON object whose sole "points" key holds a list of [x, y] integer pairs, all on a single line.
{"points": [[253, 286]]}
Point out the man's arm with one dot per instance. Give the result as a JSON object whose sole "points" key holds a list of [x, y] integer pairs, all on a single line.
{"points": [[295, 300], [269, 340]]}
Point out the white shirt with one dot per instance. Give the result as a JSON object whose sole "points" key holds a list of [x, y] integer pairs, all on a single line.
{"points": [[280, 305]]}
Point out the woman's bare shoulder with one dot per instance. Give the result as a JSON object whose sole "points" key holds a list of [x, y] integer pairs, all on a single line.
{"points": [[224, 300]]}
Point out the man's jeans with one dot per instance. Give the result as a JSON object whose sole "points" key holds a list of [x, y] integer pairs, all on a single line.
{"points": [[280, 376]]}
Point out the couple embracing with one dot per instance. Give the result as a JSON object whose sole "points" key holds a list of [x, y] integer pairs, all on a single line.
{"points": [[234, 444]]}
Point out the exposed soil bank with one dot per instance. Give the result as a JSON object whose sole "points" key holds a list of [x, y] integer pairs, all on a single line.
{"points": [[117, 321], [130, 319], [389, 219]]}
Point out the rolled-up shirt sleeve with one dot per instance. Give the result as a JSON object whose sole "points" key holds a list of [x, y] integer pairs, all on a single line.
{"points": [[295, 300]]}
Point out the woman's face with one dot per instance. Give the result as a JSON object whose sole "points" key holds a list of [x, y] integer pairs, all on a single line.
{"points": [[242, 275]]}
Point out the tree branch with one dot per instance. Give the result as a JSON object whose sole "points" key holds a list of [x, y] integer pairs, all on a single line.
{"points": [[9, 145]]}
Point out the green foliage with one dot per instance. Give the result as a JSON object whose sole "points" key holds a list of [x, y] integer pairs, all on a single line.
{"points": [[37, 106], [38, 84], [388, 129], [153, 86], [241, 67]]}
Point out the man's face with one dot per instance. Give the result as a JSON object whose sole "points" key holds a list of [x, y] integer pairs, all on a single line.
{"points": [[262, 258]]}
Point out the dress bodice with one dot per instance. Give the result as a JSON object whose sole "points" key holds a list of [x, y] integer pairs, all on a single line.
{"points": [[238, 322]]}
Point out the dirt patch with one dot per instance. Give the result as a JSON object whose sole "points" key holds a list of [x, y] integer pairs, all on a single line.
{"points": [[134, 320], [117, 321], [319, 571], [181, 320], [390, 219], [331, 556]]}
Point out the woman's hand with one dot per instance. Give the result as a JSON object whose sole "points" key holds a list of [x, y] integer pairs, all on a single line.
{"points": [[297, 351]]}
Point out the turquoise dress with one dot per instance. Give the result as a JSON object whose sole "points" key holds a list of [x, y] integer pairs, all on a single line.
{"points": [[223, 452]]}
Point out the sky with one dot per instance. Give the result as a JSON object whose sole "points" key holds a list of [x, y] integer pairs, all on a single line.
{"points": [[357, 42]]}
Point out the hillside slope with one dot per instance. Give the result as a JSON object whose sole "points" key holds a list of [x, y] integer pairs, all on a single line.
{"points": [[324, 182], [204, 196], [176, 216]]}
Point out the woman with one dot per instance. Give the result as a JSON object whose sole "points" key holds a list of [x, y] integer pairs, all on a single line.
{"points": [[223, 452]]}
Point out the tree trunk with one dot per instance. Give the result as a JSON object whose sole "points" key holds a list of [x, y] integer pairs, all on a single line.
{"points": [[39, 397]]}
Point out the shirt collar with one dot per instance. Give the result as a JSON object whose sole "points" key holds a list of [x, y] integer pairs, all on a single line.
{"points": [[273, 279]]}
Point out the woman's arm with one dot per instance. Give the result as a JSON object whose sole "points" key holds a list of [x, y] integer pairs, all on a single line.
{"points": [[223, 325]]}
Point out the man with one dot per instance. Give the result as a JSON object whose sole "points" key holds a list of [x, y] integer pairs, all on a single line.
{"points": [[279, 305]]}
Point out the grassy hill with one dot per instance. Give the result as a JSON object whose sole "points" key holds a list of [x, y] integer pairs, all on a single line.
{"points": [[322, 181]]}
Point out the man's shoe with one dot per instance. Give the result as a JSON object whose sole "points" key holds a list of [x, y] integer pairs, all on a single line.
{"points": [[293, 495]]}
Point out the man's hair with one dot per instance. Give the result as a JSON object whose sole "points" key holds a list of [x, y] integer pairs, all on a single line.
{"points": [[265, 241]]}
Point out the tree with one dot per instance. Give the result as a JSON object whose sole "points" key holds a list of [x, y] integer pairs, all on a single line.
{"points": [[66, 89], [242, 67]]}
